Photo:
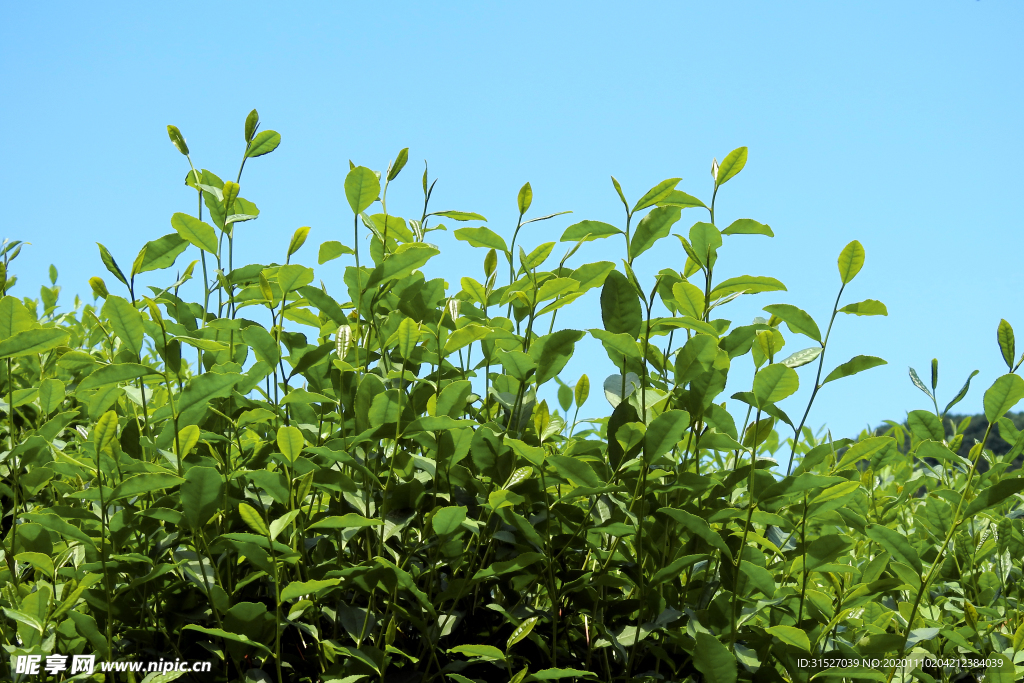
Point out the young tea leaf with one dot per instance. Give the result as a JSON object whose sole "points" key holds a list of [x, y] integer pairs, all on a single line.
{"points": [[851, 260], [853, 366], [732, 164], [1004, 335]]}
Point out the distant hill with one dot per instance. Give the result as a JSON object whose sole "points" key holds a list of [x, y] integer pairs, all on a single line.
{"points": [[998, 443]]}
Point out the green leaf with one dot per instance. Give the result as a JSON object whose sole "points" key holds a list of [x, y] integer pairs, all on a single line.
{"points": [[361, 188], [798, 321], [263, 344], [1003, 395], [291, 442], [51, 395], [145, 483], [574, 470], [517, 364], [482, 237], [896, 544], [400, 161], [551, 353], [459, 215], [556, 674], [297, 589], [732, 164], [347, 521], [1004, 335], [195, 231], [925, 425], [40, 562], [960, 395], [664, 432], [919, 384], [746, 226], [536, 257], [774, 383], [111, 264], [298, 239], [864, 449], [853, 366], [1000, 670], [681, 199], [803, 357], [656, 194], [61, 526], [748, 284], [126, 322], [851, 260], [791, 636], [177, 139], [192, 403], [252, 121], [253, 519], [161, 253], [227, 635], [482, 651], [331, 250], [408, 336], [698, 526], [520, 632], [104, 432], [866, 307], [293, 276], [710, 656], [620, 306], [525, 198], [993, 495], [14, 317], [448, 520], [581, 391], [652, 228], [592, 275], [32, 341], [705, 239], [689, 299], [200, 495], [327, 305], [404, 260], [265, 142], [113, 374], [589, 230]]}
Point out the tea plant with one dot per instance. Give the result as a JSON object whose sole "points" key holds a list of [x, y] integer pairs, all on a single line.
{"points": [[359, 481]]}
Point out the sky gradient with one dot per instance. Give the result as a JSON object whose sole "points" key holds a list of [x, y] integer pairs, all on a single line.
{"points": [[895, 124]]}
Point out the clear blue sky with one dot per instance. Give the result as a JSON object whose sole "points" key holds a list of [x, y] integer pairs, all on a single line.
{"points": [[897, 124]]}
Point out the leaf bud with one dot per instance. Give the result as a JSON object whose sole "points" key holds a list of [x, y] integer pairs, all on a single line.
{"points": [[453, 308], [252, 121], [177, 139], [265, 288], [99, 287], [490, 263], [714, 169], [344, 340]]}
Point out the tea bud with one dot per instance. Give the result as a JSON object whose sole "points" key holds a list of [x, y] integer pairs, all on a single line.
{"points": [[344, 340], [177, 139], [714, 169], [99, 287], [453, 308]]}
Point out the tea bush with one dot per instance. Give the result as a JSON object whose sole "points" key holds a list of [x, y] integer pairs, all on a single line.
{"points": [[358, 481]]}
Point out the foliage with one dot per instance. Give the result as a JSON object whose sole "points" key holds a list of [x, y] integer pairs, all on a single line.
{"points": [[357, 481]]}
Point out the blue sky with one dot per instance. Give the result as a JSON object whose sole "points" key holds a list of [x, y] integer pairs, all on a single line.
{"points": [[896, 124]]}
